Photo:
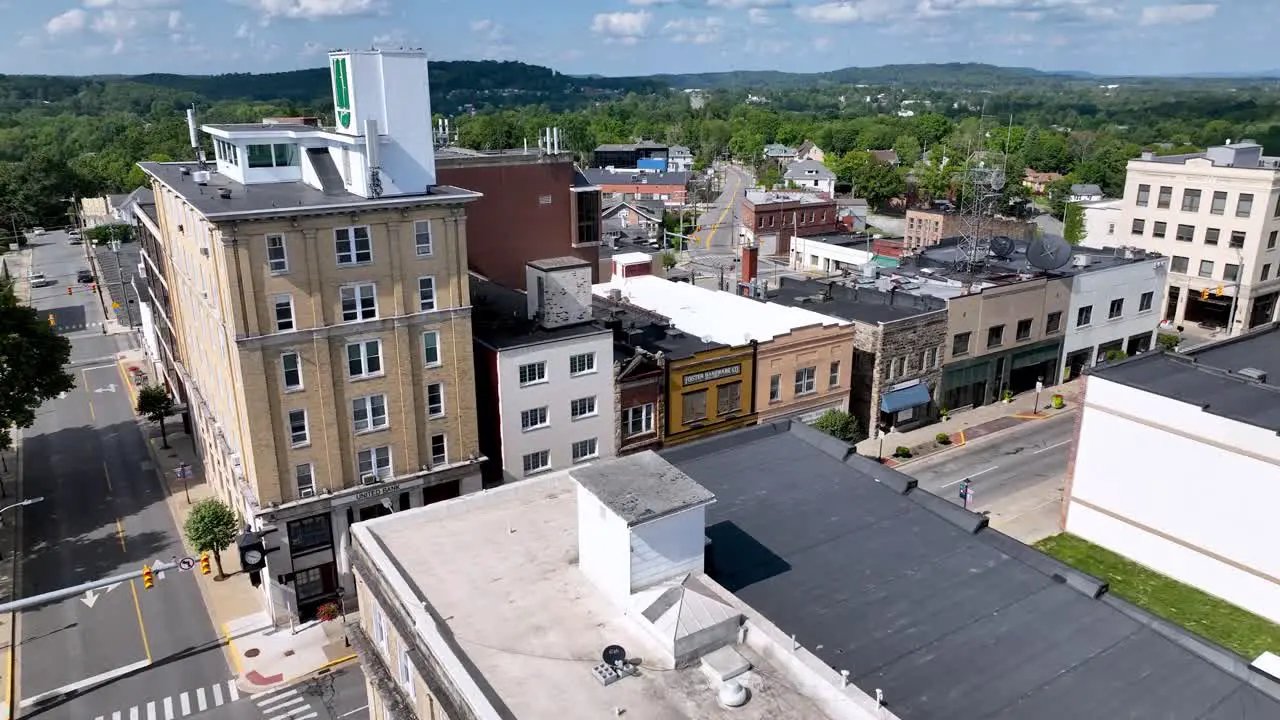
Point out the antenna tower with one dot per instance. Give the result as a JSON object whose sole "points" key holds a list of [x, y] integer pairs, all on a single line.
{"points": [[983, 183]]}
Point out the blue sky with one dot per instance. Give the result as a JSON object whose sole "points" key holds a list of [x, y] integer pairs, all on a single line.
{"points": [[624, 37]]}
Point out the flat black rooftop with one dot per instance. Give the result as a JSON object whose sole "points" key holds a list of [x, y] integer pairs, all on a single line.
{"points": [[500, 319], [1209, 377], [633, 328], [641, 488], [866, 305], [269, 199], [915, 596]]}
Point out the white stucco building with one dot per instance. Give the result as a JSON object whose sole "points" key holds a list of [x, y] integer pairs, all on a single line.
{"points": [[1113, 308], [1216, 214], [1177, 466], [1102, 222], [544, 377], [811, 175]]}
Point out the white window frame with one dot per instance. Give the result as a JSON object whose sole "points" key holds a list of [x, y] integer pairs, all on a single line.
{"points": [[592, 410], [437, 410], [297, 370], [591, 444], [380, 628], [535, 419], [356, 291], [586, 358], [646, 412], [418, 245], [406, 674], [443, 458], [833, 375], [541, 373], [775, 387], [306, 428], [383, 473], [280, 265], [363, 346], [427, 294], [543, 457], [368, 405], [292, 321], [309, 489], [436, 344], [807, 381], [350, 257]]}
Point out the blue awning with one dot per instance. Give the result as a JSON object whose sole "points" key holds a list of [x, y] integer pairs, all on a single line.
{"points": [[899, 400]]}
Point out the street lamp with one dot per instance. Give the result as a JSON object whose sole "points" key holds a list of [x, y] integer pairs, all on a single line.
{"points": [[28, 501], [1035, 409]]}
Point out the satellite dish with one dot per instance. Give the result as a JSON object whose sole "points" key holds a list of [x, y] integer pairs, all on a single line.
{"points": [[614, 656], [997, 179], [1002, 247], [1048, 253]]}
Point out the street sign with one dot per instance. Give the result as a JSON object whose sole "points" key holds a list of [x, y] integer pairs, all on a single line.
{"points": [[186, 563], [1039, 386]]}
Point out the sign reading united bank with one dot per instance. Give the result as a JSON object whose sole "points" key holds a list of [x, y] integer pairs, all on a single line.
{"points": [[714, 374]]}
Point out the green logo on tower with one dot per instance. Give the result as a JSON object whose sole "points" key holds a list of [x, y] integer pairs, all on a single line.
{"points": [[341, 92]]}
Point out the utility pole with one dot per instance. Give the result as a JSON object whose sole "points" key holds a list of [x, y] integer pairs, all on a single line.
{"points": [[1235, 296]]}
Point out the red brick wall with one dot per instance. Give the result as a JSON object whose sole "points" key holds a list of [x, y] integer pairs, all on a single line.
{"points": [[677, 193], [640, 392]]}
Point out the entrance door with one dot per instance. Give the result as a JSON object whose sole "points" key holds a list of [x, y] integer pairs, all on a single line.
{"points": [[314, 587], [374, 511]]}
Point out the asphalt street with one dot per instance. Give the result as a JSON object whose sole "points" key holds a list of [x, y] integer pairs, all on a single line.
{"points": [[720, 221], [103, 513], [1001, 466]]}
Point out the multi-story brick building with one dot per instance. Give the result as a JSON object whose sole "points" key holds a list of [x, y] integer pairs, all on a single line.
{"points": [[317, 282], [770, 219], [926, 228], [671, 188]]}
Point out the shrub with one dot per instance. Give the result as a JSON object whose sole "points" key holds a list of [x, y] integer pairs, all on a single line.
{"points": [[840, 425], [942, 438], [1167, 341], [1058, 402], [902, 451]]}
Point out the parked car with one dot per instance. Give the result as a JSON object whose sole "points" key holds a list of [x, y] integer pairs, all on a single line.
{"points": [[73, 237], [38, 279], [37, 231], [84, 276]]}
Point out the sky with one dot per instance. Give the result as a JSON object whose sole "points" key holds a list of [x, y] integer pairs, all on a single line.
{"points": [[641, 37]]}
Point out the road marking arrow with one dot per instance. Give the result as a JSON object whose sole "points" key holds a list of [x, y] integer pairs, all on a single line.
{"points": [[109, 388], [112, 586], [90, 597]]}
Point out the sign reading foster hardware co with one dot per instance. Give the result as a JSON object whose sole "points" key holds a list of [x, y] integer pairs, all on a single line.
{"points": [[715, 374]]}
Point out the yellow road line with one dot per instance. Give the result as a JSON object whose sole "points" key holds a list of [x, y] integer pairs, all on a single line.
{"points": [[128, 384], [107, 475], [137, 607], [231, 646], [84, 372], [120, 532], [962, 437], [720, 221]]}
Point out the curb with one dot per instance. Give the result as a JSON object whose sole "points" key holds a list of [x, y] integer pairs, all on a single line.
{"points": [[253, 689], [978, 440]]}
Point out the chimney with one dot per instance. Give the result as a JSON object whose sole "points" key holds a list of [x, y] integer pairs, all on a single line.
{"points": [[558, 291], [750, 266]]}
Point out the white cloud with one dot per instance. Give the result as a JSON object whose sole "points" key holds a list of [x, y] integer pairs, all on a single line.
{"points": [[739, 4], [622, 27], [1177, 14], [767, 46], [849, 11], [315, 9], [1031, 10], [129, 4], [244, 32], [651, 3], [116, 22], [118, 46], [759, 16], [695, 31], [175, 20], [71, 21]]}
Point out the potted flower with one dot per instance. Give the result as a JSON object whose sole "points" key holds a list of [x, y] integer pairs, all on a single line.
{"points": [[327, 612], [945, 413], [1058, 401], [1008, 396]]}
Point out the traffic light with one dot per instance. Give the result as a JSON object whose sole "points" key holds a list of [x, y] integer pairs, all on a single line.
{"points": [[204, 564], [1219, 291], [93, 287], [52, 320], [148, 577], [1204, 294], [68, 290]]}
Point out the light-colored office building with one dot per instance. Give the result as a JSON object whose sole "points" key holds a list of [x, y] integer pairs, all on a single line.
{"points": [[1113, 311], [318, 296], [1102, 222], [1216, 214]]}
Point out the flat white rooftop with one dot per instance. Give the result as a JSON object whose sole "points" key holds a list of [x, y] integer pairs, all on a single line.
{"points": [[713, 315], [499, 568], [765, 197]]}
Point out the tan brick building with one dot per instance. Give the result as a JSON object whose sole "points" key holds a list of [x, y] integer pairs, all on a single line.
{"points": [[925, 228], [317, 286]]}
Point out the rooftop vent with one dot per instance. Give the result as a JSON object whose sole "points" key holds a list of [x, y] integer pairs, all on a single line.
{"points": [[201, 177], [184, 170], [224, 193], [1254, 374]]}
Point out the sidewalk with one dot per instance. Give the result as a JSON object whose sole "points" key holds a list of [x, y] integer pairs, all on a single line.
{"points": [[263, 656], [968, 425]]}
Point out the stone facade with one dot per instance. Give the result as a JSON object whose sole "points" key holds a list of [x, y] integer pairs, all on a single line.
{"points": [[887, 354]]}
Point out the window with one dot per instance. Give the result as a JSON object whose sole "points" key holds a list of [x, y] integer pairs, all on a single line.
{"points": [[1053, 323], [534, 372], [1230, 272], [364, 358], [729, 398], [1144, 195], [374, 461], [694, 405], [1139, 226], [369, 413], [1165, 198], [298, 433], [1266, 271], [431, 348], [1144, 302], [406, 674], [439, 450], [304, 480], [310, 532], [291, 369], [960, 344], [582, 363], [1023, 330], [638, 419], [1116, 309], [1190, 201], [259, 156], [359, 302], [775, 388], [995, 336], [585, 450], [422, 238], [277, 260], [284, 312], [1211, 236], [379, 628], [1185, 233], [582, 407], [806, 380], [1271, 239], [1111, 228], [1244, 205], [931, 357], [435, 400], [279, 155], [899, 366], [1084, 316], [833, 377], [534, 418], [1218, 206], [426, 294], [1158, 229], [1237, 239], [1206, 268], [536, 461], [1179, 264], [353, 245]]}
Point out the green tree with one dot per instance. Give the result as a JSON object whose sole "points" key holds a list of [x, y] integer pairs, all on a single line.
{"points": [[668, 260], [1058, 191], [931, 128], [937, 179], [155, 404], [1073, 223], [871, 179], [32, 356], [212, 527], [908, 149], [840, 425]]}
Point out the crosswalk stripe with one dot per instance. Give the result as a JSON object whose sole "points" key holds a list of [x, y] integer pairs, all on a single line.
{"points": [[233, 691], [294, 711], [186, 704], [115, 715], [168, 708], [278, 696], [151, 710], [281, 706], [307, 717], [200, 700], [133, 713], [217, 695]]}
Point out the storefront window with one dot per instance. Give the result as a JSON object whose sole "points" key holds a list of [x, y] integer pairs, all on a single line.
{"points": [[310, 533]]}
